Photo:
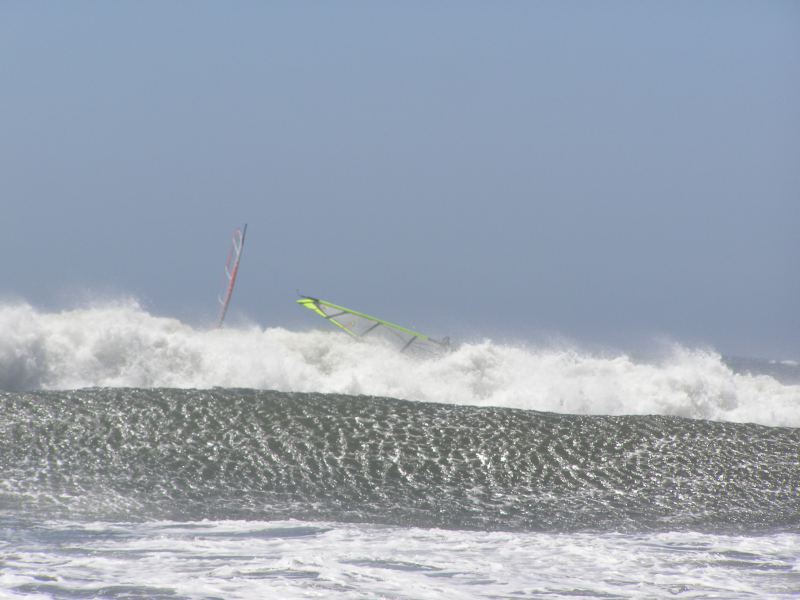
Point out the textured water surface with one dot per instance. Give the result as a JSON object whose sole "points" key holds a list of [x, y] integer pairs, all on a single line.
{"points": [[234, 454]]}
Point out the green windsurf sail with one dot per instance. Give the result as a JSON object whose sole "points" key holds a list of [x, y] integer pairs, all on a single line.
{"points": [[361, 325]]}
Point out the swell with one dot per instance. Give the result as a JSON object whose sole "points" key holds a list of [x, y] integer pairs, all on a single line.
{"points": [[189, 454]]}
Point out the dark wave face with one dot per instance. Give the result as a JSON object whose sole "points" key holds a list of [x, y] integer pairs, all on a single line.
{"points": [[185, 454]]}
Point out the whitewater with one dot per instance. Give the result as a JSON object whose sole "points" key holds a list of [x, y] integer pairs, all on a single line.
{"points": [[122, 345], [143, 457]]}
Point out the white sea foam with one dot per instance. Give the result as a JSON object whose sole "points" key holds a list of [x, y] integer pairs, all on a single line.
{"points": [[123, 345], [296, 559]]}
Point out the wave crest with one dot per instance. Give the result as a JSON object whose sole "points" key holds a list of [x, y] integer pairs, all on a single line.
{"points": [[122, 345]]}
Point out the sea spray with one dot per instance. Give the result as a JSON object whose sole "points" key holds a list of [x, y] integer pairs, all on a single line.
{"points": [[122, 345]]}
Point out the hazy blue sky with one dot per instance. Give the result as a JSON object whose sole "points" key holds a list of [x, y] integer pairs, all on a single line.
{"points": [[612, 172]]}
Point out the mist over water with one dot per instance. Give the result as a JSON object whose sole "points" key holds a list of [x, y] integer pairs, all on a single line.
{"points": [[122, 345]]}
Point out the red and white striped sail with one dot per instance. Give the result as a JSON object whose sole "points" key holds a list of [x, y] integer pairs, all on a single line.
{"points": [[231, 269]]}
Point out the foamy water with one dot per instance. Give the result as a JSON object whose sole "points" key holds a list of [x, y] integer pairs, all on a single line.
{"points": [[295, 559], [123, 345]]}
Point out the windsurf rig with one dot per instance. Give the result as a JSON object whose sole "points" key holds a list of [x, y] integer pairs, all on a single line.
{"points": [[361, 325], [231, 270]]}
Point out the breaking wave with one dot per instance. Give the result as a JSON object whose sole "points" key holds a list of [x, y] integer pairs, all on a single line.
{"points": [[122, 345]]}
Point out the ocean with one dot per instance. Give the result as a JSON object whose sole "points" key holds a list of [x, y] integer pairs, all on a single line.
{"points": [[141, 457]]}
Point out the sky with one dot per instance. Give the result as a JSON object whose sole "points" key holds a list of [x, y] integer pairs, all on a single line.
{"points": [[611, 173]]}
